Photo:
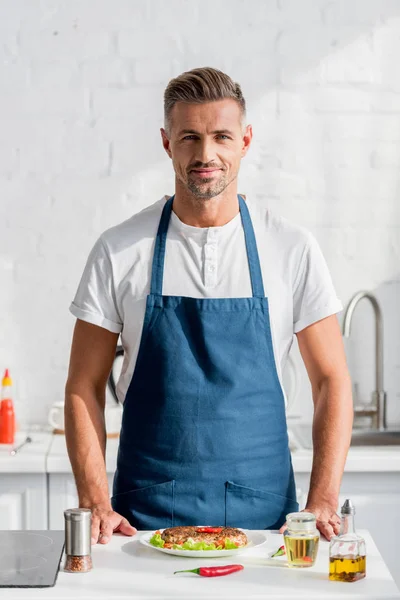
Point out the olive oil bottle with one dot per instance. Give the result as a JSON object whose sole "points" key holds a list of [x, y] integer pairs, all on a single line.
{"points": [[347, 554], [301, 539]]}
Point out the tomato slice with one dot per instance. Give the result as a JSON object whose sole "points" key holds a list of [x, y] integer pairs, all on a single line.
{"points": [[307, 558], [209, 529]]}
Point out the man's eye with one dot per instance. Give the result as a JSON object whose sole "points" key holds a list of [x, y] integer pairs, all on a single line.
{"points": [[190, 137]]}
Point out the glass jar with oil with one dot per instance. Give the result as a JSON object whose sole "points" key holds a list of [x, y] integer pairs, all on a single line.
{"points": [[347, 554], [301, 539]]}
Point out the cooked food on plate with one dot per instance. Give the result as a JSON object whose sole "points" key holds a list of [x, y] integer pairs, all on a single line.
{"points": [[199, 538]]}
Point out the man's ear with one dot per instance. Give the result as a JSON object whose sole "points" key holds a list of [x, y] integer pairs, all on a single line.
{"points": [[165, 142], [247, 137]]}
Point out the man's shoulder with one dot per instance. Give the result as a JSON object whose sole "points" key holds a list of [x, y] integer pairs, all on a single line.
{"points": [[278, 229], [139, 227]]}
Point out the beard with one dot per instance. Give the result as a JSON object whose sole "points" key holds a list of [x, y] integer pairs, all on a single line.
{"points": [[208, 188]]}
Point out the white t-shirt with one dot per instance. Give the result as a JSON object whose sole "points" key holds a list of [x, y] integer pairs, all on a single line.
{"points": [[208, 262]]}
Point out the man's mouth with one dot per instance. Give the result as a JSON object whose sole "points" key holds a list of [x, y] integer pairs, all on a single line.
{"points": [[205, 172]]}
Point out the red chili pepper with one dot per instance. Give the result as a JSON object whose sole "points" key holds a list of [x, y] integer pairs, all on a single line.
{"points": [[209, 529], [214, 571], [281, 550]]}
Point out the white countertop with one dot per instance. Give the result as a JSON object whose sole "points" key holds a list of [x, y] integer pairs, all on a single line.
{"points": [[31, 458], [360, 459], [124, 568], [47, 453]]}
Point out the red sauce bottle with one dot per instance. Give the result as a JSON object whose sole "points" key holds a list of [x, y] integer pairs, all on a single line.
{"points": [[7, 415]]}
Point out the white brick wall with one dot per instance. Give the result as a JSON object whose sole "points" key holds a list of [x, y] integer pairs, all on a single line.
{"points": [[81, 87]]}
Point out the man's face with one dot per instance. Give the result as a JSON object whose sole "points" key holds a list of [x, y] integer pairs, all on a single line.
{"points": [[206, 144]]}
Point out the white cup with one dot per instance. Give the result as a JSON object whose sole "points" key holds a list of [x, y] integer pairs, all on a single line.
{"points": [[112, 413], [56, 415], [113, 416]]}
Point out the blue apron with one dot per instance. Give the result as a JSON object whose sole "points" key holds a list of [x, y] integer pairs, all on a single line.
{"points": [[204, 438]]}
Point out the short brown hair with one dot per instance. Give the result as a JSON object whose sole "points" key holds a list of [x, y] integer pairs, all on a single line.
{"points": [[201, 85]]}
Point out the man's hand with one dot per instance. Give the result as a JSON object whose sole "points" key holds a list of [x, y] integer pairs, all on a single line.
{"points": [[328, 521], [105, 522]]}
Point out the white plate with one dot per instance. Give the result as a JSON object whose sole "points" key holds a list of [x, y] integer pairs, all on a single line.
{"points": [[255, 538]]}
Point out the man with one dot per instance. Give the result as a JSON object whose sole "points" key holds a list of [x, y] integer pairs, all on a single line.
{"points": [[206, 289]]}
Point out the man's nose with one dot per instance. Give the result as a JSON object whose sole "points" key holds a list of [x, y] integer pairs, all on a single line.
{"points": [[205, 153]]}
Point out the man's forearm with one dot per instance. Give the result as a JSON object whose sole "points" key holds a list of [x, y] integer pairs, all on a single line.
{"points": [[86, 443], [332, 426]]}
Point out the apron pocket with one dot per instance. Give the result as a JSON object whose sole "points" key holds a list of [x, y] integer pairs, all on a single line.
{"points": [[151, 507], [250, 508]]}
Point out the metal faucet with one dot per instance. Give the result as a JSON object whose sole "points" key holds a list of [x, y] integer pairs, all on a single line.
{"points": [[377, 408]]}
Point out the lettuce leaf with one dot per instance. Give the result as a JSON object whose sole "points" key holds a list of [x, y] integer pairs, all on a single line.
{"points": [[156, 540], [229, 545], [190, 544]]}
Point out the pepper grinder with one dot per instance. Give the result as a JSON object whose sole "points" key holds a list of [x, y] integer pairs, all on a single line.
{"points": [[78, 540]]}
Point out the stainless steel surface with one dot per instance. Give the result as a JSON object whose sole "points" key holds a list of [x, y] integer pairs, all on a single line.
{"points": [[377, 408], [77, 531], [375, 438], [360, 437], [27, 440], [348, 508]]}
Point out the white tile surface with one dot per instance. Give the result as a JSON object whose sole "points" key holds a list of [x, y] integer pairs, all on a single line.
{"points": [[81, 108]]}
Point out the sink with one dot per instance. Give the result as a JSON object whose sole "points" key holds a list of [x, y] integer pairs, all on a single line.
{"points": [[361, 437]]}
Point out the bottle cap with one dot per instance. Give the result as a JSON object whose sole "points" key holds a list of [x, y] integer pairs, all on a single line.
{"points": [[348, 508], [301, 521], [77, 514], [7, 381], [78, 531]]}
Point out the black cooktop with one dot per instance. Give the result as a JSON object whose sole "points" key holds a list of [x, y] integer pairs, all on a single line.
{"points": [[30, 558]]}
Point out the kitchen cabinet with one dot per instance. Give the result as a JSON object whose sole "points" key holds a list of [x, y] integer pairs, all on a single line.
{"points": [[62, 495], [23, 483], [62, 489], [23, 501]]}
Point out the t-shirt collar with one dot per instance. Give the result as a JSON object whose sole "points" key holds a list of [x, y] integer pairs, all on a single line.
{"points": [[190, 230]]}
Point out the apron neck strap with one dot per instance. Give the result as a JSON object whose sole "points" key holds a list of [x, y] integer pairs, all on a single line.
{"points": [[252, 252], [157, 272]]}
